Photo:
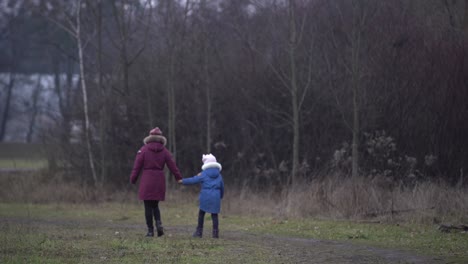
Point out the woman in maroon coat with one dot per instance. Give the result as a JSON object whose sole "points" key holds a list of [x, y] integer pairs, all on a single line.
{"points": [[150, 160]]}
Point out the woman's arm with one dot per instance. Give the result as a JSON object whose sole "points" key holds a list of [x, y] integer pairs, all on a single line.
{"points": [[222, 188], [172, 166], [137, 165]]}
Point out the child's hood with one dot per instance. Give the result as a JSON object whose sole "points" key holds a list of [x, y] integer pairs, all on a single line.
{"points": [[211, 165], [212, 172], [212, 169]]}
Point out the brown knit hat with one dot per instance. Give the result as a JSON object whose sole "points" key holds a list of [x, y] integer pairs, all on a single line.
{"points": [[155, 135], [156, 131]]}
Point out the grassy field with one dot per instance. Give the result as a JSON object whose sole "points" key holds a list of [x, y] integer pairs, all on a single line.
{"points": [[109, 233], [84, 227], [425, 239], [23, 164], [22, 156], [114, 233]]}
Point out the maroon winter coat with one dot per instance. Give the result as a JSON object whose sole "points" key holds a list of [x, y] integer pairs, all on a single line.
{"points": [[151, 159]]}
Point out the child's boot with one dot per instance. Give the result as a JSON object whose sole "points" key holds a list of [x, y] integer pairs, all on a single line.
{"points": [[150, 232], [198, 232], [215, 219], [159, 228], [215, 233]]}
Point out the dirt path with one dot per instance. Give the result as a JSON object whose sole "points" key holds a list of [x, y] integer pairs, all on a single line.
{"points": [[305, 250], [300, 250], [283, 249]]}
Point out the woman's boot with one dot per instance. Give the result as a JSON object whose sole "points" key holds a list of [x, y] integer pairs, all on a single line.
{"points": [[150, 232], [159, 228]]}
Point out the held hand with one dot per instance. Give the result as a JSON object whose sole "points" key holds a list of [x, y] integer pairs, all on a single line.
{"points": [[179, 181], [199, 174]]}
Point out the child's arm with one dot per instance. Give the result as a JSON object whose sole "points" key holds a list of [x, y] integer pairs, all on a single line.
{"points": [[192, 180], [222, 188]]}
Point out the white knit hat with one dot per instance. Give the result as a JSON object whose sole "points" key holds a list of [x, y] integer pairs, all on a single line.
{"points": [[208, 158], [209, 161]]}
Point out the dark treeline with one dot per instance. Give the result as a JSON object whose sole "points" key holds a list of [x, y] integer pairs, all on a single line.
{"points": [[277, 90]]}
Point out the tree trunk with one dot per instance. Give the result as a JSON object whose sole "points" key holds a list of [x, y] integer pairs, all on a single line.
{"points": [[355, 143], [104, 113], [173, 45], [34, 110], [208, 99], [124, 34], [171, 113], [6, 108], [355, 83], [85, 94], [62, 150], [294, 92], [15, 55], [465, 17], [171, 106]]}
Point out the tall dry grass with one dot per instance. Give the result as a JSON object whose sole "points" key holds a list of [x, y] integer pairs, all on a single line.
{"points": [[330, 197], [41, 187], [358, 199]]}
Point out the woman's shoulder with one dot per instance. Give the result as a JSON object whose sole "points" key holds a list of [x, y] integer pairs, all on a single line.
{"points": [[144, 148], [141, 149]]}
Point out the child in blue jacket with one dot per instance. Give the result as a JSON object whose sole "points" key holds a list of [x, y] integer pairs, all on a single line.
{"points": [[212, 191]]}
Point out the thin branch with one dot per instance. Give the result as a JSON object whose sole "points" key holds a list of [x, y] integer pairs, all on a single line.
{"points": [[130, 62], [117, 21], [335, 94], [309, 76], [72, 32], [301, 32], [447, 6]]}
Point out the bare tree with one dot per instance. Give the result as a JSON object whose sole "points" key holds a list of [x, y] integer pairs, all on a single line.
{"points": [[207, 78], [175, 36], [293, 86], [104, 114], [294, 72], [73, 25], [105, 93], [9, 31], [355, 72], [6, 108], [255, 66], [128, 21], [34, 109], [352, 62], [465, 17], [78, 36]]}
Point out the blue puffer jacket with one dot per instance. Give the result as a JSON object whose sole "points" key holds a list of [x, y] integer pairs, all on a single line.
{"points": [[212, 188]]}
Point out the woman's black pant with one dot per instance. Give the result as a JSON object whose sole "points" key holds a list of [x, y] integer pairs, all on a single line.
{"points": [[152, 210], [201, 219]]}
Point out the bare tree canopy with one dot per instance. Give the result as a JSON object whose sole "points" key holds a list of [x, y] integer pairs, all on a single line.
{"points": [[278, 90]]}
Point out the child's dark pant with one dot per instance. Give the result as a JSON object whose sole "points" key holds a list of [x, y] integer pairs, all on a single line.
{"points": [[201, 218], [152, 209]]}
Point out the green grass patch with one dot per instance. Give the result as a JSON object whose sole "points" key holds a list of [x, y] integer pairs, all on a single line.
{"points": [[23, 244], [23, 164], [114, 233], [424, 239], [21, 151], [123, 213], [109, 233], [22, 156]]}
